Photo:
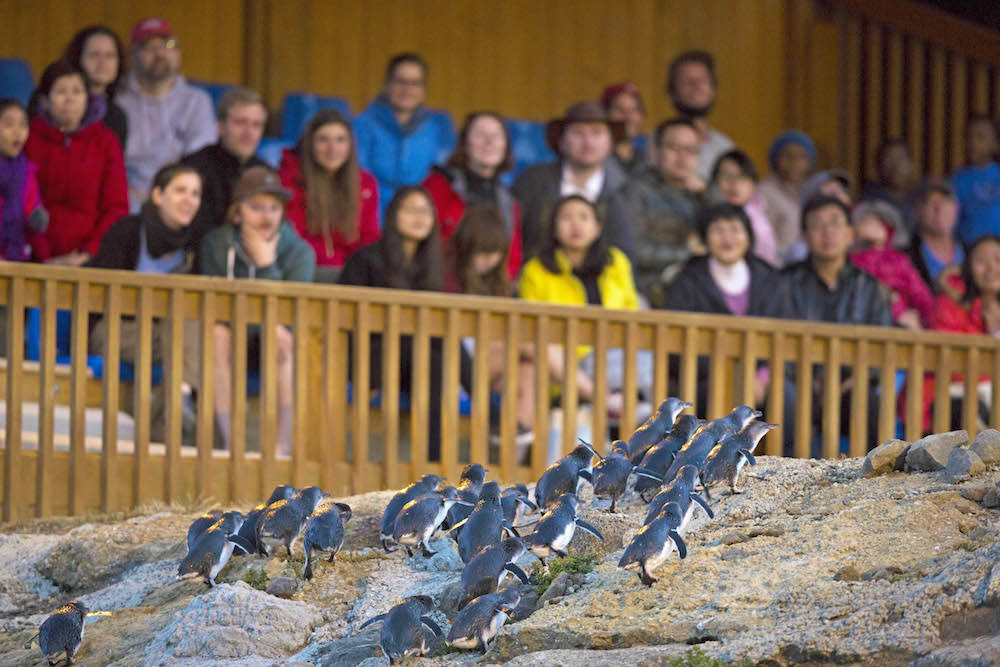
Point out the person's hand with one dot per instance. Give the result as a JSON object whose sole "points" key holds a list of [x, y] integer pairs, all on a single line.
{"points": [[695, 184], [261, 244], [910, 319], [74, 258]]}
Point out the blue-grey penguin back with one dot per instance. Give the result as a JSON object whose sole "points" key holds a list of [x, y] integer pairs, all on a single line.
{"points": [[200, 525], [62, 632], [427, 484], [484, 526]]}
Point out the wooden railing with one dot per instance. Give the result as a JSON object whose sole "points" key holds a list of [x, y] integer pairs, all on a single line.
{"points": [[328, 427], [912, 71]]}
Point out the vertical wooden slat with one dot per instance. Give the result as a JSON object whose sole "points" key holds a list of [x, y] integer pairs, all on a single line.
{"points": [[859, 400], [390, 395], [831, 400], [916, 121], [915, 393], [421, 384], [970, 398], [143, 382], [748, 364], [174, 364], [852, 101], [268, 431], [776, 397], [509, 397], [804, 393], [717, 376], [205, 424], [300, 398], [660, 362], [937, 98], [628, 424], [887, 400], [873, 98], [689, 367], [599, 402], [47, 403], [449, 396], [238, 483], [333, 450], [569, 390], [109, 413], [13, 460], [942, 400], [958, 112], [78, 398], [359, 426], [540, 451], [480, 418], [980, 89], [893, 98]]}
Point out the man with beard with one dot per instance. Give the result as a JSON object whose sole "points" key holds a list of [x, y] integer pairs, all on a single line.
{"points": [[691, 85], [167, 117]]}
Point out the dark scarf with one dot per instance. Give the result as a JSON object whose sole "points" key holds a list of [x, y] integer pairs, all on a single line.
{"points": [[161, 239], [13, 177]]}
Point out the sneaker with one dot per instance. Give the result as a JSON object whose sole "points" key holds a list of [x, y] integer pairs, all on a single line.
{"points": [[524, 436]]}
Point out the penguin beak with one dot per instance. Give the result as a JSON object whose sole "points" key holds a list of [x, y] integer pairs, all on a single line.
{"points": [[591, 448]]}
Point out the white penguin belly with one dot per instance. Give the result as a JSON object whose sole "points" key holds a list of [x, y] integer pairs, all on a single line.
{"points": [[224, 556], [658, 559], [493, 627], [563, 539], [465, 642], [686, 518]]}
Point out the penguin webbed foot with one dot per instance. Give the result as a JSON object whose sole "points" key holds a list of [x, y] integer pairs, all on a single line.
{"points": [[332, 556]]}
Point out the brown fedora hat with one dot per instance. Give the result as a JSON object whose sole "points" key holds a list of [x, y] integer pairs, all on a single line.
{"points": [[587, 111]]}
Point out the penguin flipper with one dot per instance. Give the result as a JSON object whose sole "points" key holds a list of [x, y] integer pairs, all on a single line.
{"points": [[243, 543], [517, 572], [455, 530], [511, 530], [527, 503], [704, 504], [646, 472], [373, 619], [591, 448], [590, 529], [434, 627], [748, 456], [682, 550], [585, 474]]}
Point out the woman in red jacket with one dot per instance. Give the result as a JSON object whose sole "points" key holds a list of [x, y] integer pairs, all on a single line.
{"points": [[473, 176], [81, 171], [334, 203]]}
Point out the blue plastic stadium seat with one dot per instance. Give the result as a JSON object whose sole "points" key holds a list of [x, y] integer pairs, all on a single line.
{"points": [[270, 149], [214, 90], [298, 108], [527, 140], [16, 80]]}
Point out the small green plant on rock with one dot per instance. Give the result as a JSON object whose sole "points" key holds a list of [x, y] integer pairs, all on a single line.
{"points": [[257, 578], [572, 564], [695, 657]]}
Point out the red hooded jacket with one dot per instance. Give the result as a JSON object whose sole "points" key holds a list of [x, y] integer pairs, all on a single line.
{"points": [[82, 180], [339, 249], [894, 269]]}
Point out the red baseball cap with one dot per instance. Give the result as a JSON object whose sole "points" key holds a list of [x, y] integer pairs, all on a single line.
{"points": [[151, 27]]}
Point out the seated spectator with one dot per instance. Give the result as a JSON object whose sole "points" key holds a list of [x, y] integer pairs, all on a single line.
{"points": [[399, 139], [873, 252], [21, 210], [935, 252], [691, 85], [583, 139], [734, 179], [242, 116], [408, 255], [622, 102], [895, 187], [578, 266], [258, 244], [157, 240], [834, 183], [473, 176], [791, 158], [167, 117], [977, 186], [81, 175], [334, 202], [665, 199]]}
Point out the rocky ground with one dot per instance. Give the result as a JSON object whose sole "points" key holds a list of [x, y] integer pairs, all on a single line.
{"points": [[890, 560]]}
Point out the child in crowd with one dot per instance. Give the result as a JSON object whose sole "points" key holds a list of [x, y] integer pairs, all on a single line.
{"points": [[978, 185], [791, 158], [734, 179], [874, 225], [21, 210]]}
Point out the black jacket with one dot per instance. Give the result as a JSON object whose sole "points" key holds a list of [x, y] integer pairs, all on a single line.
{"points": [[695, 290], [365, 267], [219, 171], [857, 298], [119, 247]]}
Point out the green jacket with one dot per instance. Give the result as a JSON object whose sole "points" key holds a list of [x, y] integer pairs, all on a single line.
{"points": [[221, 253]]}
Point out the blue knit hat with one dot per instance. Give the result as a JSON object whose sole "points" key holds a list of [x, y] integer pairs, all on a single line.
{"points": [[790, 137]]}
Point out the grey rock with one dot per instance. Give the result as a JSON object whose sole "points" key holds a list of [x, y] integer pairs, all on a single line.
{"points": [[348, 651], [980, 652], [931, 453], [556, 589], [734, 554], [988, 592], [889, 456], [975, 491], [992, 499], [987, 446], [962, 464], [445, 558], [282, 587]]}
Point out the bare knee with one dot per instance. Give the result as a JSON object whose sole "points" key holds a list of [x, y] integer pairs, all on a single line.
{"points": [[223, 340], [286, 342]]}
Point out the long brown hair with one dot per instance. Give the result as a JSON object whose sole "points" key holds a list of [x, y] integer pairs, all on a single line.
{"points": [[481, 230], [332, 200], [460, 157]]}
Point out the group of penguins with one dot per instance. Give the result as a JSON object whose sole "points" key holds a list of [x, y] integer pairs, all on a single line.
{"points": [[693, 454]]}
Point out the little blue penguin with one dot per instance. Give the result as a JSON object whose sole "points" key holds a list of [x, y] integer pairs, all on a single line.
{"points": [[556, 527], [325, 532], [701, 443], [680, 490], [213, 548], [420, 517], [612, 472], [484, 526], [513, 500], [740, 416], [424, 485], [653, 543], [470, 485], [481, 620], [283, 520], [249, 529], [655, 428], [728, 457], [564, 476], [61, 634], [484, 573], [401, 634], [200, 525], [661, 455]]}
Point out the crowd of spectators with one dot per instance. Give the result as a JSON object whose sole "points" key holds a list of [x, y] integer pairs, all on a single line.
{"points": [[137, 171]]}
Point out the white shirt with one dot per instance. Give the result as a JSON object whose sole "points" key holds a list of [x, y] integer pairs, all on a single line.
{"points": [[715, 144], [590, 191]]}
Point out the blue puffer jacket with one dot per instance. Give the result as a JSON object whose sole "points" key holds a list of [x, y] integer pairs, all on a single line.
{"points": [[399, 156]]}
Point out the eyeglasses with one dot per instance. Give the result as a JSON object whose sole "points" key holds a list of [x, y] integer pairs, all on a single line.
{"points": [[679, 148], [157, 44], [409, 83]]}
